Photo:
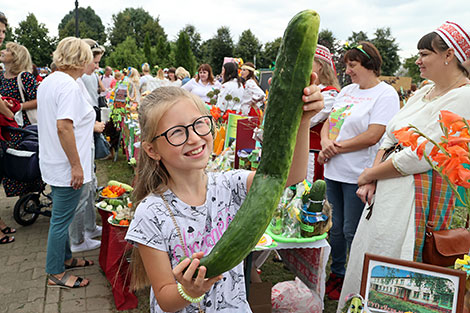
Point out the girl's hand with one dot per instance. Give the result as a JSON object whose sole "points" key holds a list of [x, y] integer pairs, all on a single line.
{"points": [[366, 192], [313, 100], [194, 287]]}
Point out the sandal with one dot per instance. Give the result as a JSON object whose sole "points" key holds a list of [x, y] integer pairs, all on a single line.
{"points": [[74, 264], [61, 283], [6, 239], [8, 230]]}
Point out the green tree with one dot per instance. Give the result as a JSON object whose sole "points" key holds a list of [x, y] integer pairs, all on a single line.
{"points": [[194, 40], [148, 49], [183, 55], [248, 47], [356, 37], [206, 48], [9, 36], [388, 49], [221, 46], [126, 54], [162, 53], [135, 23], [328, 39], [89, 25], [34, 36], [413, 69], [269, 53]]}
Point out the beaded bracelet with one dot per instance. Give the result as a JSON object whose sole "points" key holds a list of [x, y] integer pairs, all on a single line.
{"points": [[186, 297]]}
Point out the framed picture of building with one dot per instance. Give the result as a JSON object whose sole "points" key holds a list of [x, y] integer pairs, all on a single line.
{"points": [[394, 285]]}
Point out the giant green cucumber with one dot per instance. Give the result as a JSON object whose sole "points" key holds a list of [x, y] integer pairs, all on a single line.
{"points": [[282, 119]]}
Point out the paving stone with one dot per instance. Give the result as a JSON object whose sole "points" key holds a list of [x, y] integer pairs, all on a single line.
{"points": [[98, 304], [52, 295], [27, 307], [36, 293], [71, 294], [38, 272], [14, 259], [51, 308], [9, 268], [77, 305], [98, 290]]}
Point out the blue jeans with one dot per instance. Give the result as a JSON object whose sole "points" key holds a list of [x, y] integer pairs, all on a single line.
{"points": [[347, 211], [64, 202]]}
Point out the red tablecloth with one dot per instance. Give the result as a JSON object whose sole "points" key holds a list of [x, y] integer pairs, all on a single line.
{"points": [[114, 252]]}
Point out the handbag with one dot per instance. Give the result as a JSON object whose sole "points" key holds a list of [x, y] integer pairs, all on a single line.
{"points": [[102, 102], [101, 146], [32, 113], [443, 247]]}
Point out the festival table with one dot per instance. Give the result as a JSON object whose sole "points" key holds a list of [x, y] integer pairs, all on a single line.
{"points": [[307, 260], [113, 259]]}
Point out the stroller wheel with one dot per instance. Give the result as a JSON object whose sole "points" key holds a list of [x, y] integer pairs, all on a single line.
{"points": [[27, 209]]}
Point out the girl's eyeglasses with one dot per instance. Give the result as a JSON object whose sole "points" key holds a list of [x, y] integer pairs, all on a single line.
{"points": [[178, 135]]}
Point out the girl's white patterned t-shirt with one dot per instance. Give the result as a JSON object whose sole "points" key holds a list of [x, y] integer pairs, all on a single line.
{"points": [[201, 228]]}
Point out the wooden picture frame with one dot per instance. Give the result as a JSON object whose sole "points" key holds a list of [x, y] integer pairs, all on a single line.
{"points": [[393, 284]]}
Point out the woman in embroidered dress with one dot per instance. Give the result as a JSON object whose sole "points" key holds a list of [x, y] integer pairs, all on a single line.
{"points": [[328, 82], [389, 228], [182, 209]]}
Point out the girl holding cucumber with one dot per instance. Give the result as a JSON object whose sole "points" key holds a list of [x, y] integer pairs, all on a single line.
{"points": [[182, 210]]}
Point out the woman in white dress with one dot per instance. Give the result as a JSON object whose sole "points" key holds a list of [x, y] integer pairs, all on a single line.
{"points": [[203, 83], [254, 96], [231, 92], [389, 228]]}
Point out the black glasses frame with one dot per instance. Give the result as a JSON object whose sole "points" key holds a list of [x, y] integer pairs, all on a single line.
{"points": [[186, 128]]}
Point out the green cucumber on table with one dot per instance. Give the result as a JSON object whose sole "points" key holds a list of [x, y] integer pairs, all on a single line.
{"points": [[282, 119]]}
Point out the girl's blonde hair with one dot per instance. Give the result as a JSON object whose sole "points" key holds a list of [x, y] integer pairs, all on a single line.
{"points": [[134, 76], [181, 73], [326, 74], [146, 68], [21, 58], [160, 74], [152, 176], [72, 53]]}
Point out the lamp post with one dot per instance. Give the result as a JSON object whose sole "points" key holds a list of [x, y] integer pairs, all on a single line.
{"points": [[76, 19]]}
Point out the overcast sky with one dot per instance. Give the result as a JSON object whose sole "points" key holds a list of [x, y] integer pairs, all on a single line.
{"points": [[267, 19]]}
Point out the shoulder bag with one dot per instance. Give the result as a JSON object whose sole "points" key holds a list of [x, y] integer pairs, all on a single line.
{"points": [[32, 114], [443, 247]]}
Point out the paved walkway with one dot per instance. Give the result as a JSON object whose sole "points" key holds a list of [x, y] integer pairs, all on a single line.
{"points": [[23, 279]]}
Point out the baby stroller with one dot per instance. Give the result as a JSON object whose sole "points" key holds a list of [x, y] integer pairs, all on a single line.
{"points": [[22, 164]]}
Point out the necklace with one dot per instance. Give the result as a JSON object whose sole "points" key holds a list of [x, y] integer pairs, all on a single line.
{"points": [[427, 96], [178, 230]]}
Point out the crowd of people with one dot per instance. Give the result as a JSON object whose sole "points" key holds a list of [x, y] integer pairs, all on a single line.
{"points": [[350, 128]]}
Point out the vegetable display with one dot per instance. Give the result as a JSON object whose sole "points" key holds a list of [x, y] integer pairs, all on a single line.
{"points": [[282, 119], [314, 198]]}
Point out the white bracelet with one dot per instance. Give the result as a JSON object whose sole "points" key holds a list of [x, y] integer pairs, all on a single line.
{"points": [[188, 298]]}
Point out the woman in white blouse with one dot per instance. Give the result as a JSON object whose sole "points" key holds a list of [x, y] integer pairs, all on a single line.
{"points": [[203, 83], [254, 96], [231, 92]]}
